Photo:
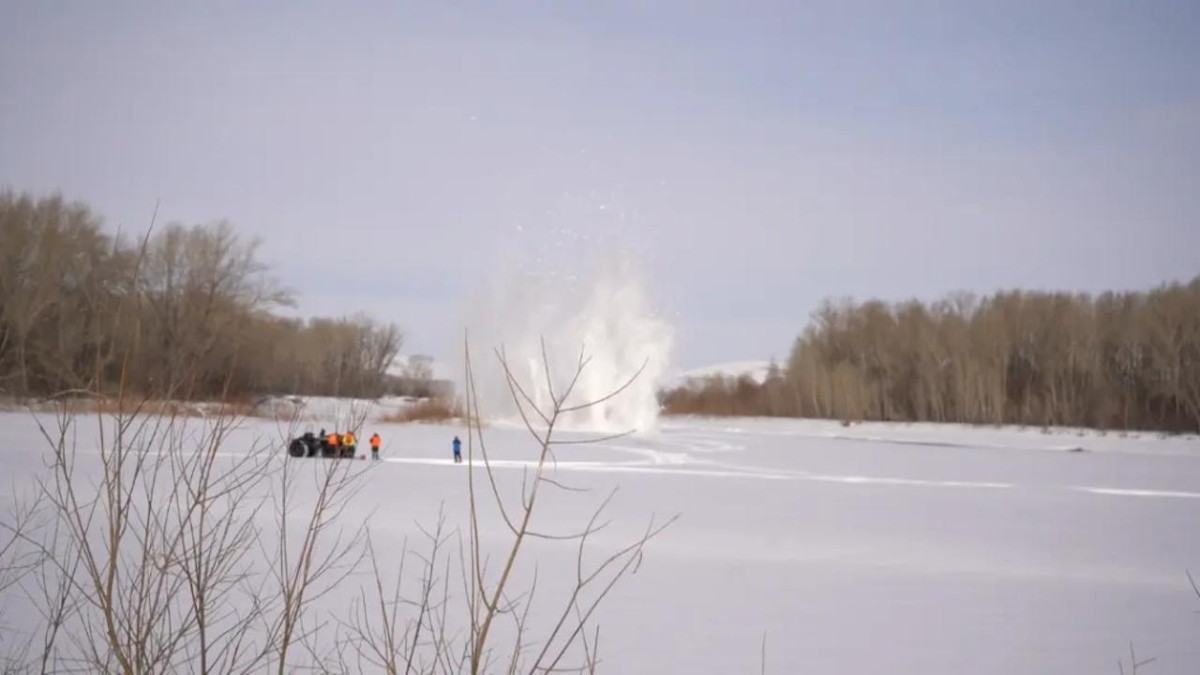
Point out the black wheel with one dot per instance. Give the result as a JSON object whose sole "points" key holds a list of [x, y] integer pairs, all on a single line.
{"points": [[297, 448]]}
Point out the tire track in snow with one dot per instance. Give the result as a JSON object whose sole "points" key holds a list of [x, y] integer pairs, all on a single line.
{"points": [[1124, 492], [710, 442]]}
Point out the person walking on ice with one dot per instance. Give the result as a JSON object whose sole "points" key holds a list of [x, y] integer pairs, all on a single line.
{"points": [[457, 451], [376, 442]]}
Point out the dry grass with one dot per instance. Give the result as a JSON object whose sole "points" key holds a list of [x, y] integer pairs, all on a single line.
{"points": [[438, 409], [82, 404]]}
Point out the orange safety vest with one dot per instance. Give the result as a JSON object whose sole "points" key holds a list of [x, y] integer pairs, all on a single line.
{"points": [[376, 441], [334, 440], [350, 439]]}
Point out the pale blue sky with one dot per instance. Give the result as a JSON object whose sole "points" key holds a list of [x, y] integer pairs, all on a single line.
{"points": [[758, 157]]}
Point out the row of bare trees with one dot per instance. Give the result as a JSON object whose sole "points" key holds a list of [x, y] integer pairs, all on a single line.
{"points": [[184, 312], [1118, 360]]}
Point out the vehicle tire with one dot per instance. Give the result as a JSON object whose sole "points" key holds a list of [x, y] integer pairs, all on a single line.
{"points": [[297, 448]]}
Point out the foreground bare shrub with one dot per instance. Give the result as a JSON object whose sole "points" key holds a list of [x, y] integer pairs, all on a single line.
{"points": [[405, 624], [160, 548]]}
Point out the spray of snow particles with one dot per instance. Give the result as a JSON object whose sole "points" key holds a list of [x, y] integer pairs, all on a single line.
{"points": [[603, 312]]}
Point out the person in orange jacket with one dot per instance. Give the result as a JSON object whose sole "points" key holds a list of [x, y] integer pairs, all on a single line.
{"points": [[351, 443], [376, 443]]}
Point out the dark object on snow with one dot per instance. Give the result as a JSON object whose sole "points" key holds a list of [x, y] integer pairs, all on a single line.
{"points": [[1075, 449], [309, 445]]}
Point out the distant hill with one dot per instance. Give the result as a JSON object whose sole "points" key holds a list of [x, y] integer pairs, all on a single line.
{"points": [[756, 370]]}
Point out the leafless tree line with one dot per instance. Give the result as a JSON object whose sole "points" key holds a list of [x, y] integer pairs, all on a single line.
{"points": [[1117, 360], [182, 312]]}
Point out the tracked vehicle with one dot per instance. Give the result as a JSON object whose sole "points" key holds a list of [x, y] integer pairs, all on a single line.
{"points": [[309, 445]]}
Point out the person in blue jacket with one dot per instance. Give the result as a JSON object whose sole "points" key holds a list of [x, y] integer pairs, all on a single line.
{"points": [[457, 450]]}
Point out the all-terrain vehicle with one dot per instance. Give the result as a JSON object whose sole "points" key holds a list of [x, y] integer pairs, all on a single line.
{"points": [[309, 445]]}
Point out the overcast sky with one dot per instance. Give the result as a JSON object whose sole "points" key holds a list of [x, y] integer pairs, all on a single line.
{"points": [[756, 157]]}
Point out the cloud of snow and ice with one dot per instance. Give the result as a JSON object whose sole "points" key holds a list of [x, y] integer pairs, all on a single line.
{"points": [[603, 309]]}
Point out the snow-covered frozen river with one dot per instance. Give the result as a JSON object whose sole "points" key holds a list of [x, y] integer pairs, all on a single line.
{"points": [[868, 549]]}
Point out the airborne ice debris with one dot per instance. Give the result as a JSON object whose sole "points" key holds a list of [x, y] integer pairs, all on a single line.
{"points": [[604, 310]]}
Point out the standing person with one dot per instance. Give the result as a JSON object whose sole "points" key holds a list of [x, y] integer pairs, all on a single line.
{"points": [[351, 443], [457, 450], [376, 442]]}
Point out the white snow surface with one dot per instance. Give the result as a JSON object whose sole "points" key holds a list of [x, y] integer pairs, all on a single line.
{"points": [[863, 549]]}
